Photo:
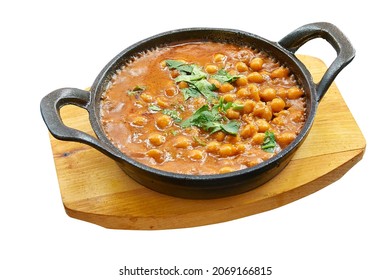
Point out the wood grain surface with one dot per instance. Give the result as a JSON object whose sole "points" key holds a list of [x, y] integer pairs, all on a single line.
{"points": [[94, 189]]}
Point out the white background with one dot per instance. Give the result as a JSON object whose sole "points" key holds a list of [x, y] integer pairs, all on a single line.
{"points": [[340, 232]]}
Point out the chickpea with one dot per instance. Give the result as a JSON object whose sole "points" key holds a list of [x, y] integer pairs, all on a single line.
{"points": [[229, 97], [283, 113], [262, 125], [219, 58], [259, 109], [156, 139], [195, 154], [242, 81], [163, 121], [248, 131], [232, 114], [254, 92], [285, 138], [258, 138], [282, 93], [146, 97], [182, 142], [226, 169], [182, 85], [280, 120], [139, 121], [240, 148], [192, 131], [277, 104], [171, 91], [211, 68], [233, 139], [249, 105], [156, 154], [267, 114], [280, 72], [213, 147], [242, 93], [241, 66], [266, 75], [233, 72], [255, 77], [163, 64], [268, 94], [175, 74], [215, 82], [226, 87], [198, 101], [256, 64], [227, 150], [162, 103], [219, 136], [294, 93]]}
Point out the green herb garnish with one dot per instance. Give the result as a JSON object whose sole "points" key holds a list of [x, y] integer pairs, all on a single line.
{"points": [[190, 92], [211, 121], [224, 106], [206, 89], [154, 108], [196, 79], [136, 90], [174, 132], [180, 66], [173, 114], [224, 77], [199, 141], [269, 144], [196, 74], [231, 127]]}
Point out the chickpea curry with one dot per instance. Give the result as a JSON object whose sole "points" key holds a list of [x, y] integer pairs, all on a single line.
{"points": [[202, 108]]}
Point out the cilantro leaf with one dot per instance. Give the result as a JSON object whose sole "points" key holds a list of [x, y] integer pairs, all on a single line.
{"points": [[198, 88], [210, 120], [237, 107], [173, 114], [190, 92], [224, 77], [180, 66], [154, 108], [269, 143], [224, 106], [174, 64], [200, 118], [206, 89], [231, 127], [136, 90], [196, 74], [199, 141]]}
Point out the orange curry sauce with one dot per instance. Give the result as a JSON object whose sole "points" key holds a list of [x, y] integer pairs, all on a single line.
{"points": [[146, 113]]}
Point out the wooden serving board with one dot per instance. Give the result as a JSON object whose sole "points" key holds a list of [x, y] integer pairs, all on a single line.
{"points": [[94, 189]]}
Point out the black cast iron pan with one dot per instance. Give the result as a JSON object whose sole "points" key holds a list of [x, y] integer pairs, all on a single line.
{"points": [[202, 186]]}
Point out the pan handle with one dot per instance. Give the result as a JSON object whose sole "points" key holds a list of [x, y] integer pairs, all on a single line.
{"points": [[345, 51], [50, 110]]}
